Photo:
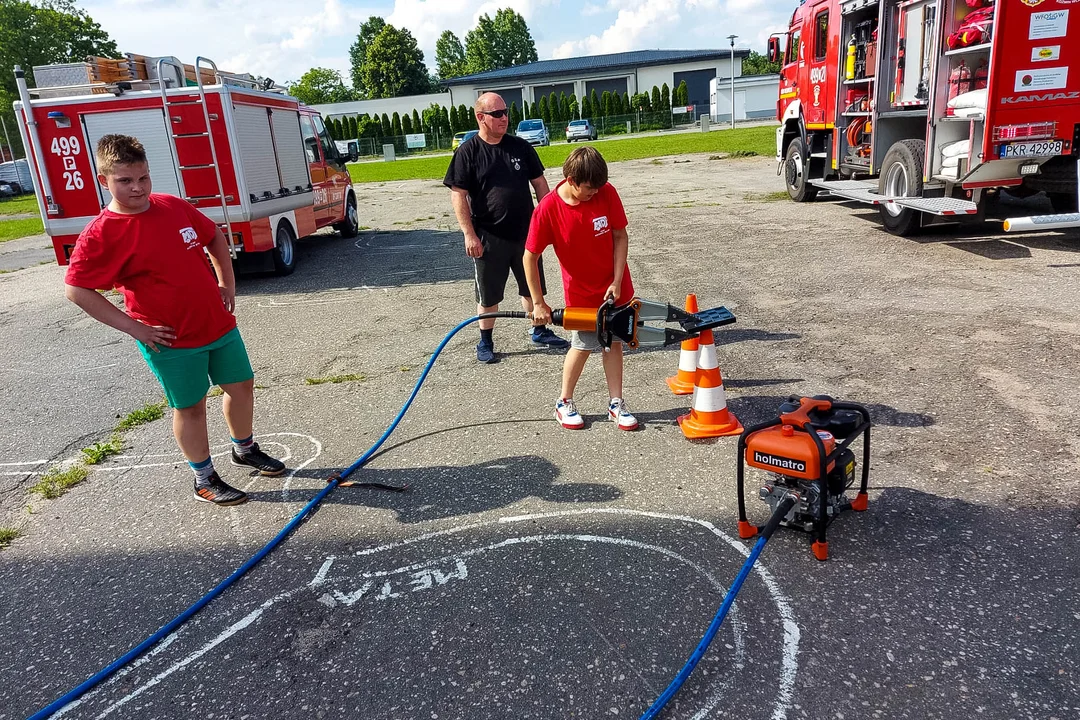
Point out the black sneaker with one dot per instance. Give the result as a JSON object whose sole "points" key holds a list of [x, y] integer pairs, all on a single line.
{"points": [[259, 460], [217, 491]]}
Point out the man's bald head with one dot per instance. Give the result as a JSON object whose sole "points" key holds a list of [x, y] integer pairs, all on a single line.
{"points": [[492, 129]]}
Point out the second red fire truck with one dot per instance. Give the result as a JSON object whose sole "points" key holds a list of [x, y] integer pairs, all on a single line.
{"points": [[258, 163], [929, 108]]}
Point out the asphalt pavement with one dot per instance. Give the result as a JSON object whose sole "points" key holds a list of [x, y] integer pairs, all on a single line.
{"points": [[533, 572]]}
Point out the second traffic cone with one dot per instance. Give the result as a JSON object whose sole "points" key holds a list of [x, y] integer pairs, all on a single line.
{"points": [[709, 415], [682, 383]]}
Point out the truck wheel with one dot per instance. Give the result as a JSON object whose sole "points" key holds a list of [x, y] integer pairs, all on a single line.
{"points": [[1063, 202], [284, 251], [350, 226], [796, 164], [902, 176]]}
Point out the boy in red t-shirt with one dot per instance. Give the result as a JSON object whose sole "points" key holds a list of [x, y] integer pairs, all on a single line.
{"points": [[150, 247], [583, 218]]}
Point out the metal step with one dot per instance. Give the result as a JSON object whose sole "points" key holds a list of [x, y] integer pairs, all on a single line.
{"points": [[191, 135], [858, 190], [937, 206], [197, 167]]}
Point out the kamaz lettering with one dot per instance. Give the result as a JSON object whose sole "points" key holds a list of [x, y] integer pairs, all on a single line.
{"points": [[1040, 98], [779, 462]]}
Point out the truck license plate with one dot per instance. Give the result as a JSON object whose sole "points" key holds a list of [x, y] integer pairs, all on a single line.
{"points": [[1031, 149]]}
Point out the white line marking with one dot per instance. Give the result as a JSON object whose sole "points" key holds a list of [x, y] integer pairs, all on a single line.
{"points": [[28, 462], [321, 575], [228, 633]]}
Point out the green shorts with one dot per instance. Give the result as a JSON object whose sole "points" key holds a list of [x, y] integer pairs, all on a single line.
{"points": [[187, 373]]}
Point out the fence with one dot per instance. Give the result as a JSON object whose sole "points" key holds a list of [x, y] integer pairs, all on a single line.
{"points": [[440, 141]]}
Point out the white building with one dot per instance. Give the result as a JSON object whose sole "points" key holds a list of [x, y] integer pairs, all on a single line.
{"points": [[626, 72], [755, 97]]}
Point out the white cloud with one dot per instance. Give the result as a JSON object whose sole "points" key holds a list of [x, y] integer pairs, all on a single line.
{"points": [[636, 21]]}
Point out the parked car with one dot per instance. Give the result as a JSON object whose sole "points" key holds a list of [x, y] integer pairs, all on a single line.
{"points": [[16, 173], [6, 190], [580, 130], [461, 137], [534, 132]]}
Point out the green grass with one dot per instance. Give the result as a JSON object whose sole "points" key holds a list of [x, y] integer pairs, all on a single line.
{"points": [[779, 196], [148, 413], [23, 205], [56, 482], [353, 377], [99, 451], [215, 392], [8, 535], [14, 229], [743, 142]]}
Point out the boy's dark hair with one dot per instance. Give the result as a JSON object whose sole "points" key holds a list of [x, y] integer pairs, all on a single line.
{"points": [[586, 166], [113, 150]]}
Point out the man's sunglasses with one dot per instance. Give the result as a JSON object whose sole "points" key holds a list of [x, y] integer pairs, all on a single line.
{"points": [[495, 113]]}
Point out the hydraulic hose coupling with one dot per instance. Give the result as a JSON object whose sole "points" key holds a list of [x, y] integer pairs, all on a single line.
{"points": [[627, 322]]}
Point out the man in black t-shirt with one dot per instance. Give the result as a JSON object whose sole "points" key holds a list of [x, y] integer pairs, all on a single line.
{"points": [[489, 179]]}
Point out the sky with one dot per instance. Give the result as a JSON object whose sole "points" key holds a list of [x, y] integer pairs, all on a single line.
{"points": [[282, 39]]}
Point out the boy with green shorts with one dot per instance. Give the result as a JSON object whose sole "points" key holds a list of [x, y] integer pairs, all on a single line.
{"points": [[150, 247]]}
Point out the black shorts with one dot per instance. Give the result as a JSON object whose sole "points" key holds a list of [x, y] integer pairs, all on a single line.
{"points": [[494, 266]]}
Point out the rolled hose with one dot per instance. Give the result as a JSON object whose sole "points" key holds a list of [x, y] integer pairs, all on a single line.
{"points": [[782, 509], [135, 652]]}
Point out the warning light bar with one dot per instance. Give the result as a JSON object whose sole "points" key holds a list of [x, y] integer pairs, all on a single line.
{"points": [[1029, 131]]}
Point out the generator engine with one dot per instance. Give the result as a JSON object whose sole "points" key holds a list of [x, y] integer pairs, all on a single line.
{"points": [[805, 451]]}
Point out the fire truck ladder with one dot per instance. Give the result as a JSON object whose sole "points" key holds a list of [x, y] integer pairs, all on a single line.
{"points": [[201, 100]]}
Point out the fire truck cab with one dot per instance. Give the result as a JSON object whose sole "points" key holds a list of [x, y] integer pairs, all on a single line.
{"points": [[928, 108], [257, 162]]}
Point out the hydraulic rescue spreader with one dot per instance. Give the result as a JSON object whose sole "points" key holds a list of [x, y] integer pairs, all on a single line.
{"points": [[627, 322]]}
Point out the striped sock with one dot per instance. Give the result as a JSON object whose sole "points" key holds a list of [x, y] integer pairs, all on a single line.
{"points": [[203, 470], [245, 446]]}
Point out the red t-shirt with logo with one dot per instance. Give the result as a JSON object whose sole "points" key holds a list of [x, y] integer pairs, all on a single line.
{"points": [[582, 238], [156, 260]]}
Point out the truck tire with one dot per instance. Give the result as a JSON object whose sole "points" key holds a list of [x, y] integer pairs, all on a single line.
{"points": [[902, 176], [796, 164], [1057, 175], [284, 252], [350, 226]]}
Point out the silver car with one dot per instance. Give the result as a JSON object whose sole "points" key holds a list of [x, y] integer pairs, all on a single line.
{"points": [[580, 130], [534, 132]]}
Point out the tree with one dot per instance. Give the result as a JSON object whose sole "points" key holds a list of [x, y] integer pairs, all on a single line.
{"points": [[564, 108], [44, 33], [406, 125], [449, 56], [681, 96], [499, 42], [417, 126], [395, 124], [594, 103], [665, 98], [758, 64], [640, 102], [515, 116], [466, 117], [386, 128], [654, 100], [626, 104], [605, 103], [319, 86], [447, 127], [394, 65], [369, 29], [525, 110], [575, 113], [545, 113], [368, 127], [586, 108]]}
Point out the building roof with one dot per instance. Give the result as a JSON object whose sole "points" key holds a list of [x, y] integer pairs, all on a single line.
{"points": [[593, 63]]}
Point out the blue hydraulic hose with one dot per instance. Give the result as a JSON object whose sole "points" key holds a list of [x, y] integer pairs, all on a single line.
{"points": [[202, 602], [729, 599]]}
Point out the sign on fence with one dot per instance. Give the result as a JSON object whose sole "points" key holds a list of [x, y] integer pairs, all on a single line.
{"points": [[418, 140], [682, 109]]}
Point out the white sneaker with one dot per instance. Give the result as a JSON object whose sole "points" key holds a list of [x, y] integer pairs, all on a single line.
{"points": [[567, 415], [617, 411]]}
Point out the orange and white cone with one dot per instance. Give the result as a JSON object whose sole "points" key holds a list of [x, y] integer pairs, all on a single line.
{"points": [[709, 415], [682, 383]]}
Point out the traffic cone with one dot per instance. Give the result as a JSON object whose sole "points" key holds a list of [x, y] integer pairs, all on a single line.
{"points": [[709, 416], [683, 381]]}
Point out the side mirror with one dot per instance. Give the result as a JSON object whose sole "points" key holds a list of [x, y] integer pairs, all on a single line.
{"points": [[774, 49], [353, 155]]}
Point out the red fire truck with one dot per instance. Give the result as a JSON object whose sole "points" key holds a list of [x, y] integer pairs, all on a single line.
{"points": [[258, 163], [928, 108]]}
